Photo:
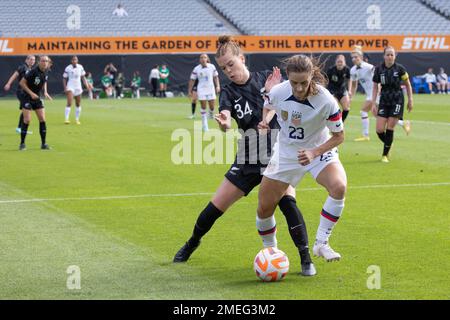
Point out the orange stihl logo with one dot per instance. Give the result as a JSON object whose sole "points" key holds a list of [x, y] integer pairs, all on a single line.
{"points": [[4, 46]]}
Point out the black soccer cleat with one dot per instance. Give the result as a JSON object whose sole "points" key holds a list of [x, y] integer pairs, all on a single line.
{"points": [[308, 268], [22, 147], [185, 252], [45, 147]]}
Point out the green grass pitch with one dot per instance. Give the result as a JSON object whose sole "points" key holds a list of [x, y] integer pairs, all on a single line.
{"points": [[108, 199]]}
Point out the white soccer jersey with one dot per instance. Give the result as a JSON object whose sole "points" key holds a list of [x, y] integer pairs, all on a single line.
{"points": [[205, 76], [363, 74], [74, 74], [304, 124]]}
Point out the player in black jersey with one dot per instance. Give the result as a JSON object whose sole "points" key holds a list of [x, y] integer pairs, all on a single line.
{"points": [[32, 84], [19, 74], [193, 95], [390, 75], [338, 83], [242, 101]]}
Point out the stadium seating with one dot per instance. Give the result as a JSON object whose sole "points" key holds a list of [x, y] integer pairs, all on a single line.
{"points": [[195, 17], [441, 6], [317, 17], [145, 17]]}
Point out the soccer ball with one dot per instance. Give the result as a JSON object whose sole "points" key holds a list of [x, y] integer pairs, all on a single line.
{"points": [[271, 264]]}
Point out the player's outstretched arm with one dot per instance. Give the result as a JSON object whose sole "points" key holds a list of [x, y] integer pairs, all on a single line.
{"points": [[224, 120], [11, 80], [273, 79], [306, 156]]}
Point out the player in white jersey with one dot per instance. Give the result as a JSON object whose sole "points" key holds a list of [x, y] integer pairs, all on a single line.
{"points": [[307, 113], [207, 87], [73, 74], [362, 72]]}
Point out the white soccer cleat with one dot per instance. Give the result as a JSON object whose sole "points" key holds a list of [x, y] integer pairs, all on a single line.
{"points": [[324, 250]]}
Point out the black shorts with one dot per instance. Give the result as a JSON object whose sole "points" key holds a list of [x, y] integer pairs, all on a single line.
{"points": [[30, 104], [244, 178], [391, 110], [19, 96], [194, 88], [339, 94]]}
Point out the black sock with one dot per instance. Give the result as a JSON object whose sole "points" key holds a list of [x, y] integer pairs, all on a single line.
{"points": [[205, 221], [297, 226], [23, 132], [193, 105], [20, 120], [43, 131], [345, 114], [382, 136], [388, 141]]}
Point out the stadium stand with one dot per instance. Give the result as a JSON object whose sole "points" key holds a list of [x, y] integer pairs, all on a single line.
{"points": [[213, 17], [145, 17], [440, 6], [331, 17]]}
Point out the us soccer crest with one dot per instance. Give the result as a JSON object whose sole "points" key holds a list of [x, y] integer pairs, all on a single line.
{"points": [[296, 118], [284, 115]]}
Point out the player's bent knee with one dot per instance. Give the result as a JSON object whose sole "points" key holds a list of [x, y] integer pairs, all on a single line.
{"points": [[338, 190]]}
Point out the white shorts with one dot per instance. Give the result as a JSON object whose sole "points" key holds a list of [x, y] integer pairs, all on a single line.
{"points": [[369, 96], [75, 91], [292, 172], [207, 97]]}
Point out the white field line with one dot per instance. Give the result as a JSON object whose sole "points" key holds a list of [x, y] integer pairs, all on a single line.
{"points": [[170, 195]]}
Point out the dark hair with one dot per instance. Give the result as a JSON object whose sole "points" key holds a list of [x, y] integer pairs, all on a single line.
{"points": [[387, 48], [227, 43], [301, 63]]}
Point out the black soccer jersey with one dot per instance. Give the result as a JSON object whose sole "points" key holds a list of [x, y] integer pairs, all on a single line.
{"points": [[36, 79], [21, 70], [390, 80], [338, 79], [245, 104]]}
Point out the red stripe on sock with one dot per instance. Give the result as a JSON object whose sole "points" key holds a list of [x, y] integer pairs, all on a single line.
{"points": [[266, 232], [328, 216]]}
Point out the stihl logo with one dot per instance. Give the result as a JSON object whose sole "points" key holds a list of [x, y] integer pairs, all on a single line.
{"points": [[4, 47], [424, 43]]}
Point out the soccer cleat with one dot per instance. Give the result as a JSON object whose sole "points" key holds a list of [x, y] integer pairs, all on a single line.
{"points": [[191, 117], [384, 159], [185, 252], [67, 122], [308, 269], [407, 127], [324, 250], [363, 138], [78, 122], [22, 147], [45, 147]]}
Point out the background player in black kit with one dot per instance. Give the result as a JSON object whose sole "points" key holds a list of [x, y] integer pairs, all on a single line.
{"points": [[32, 84], [242, 101], [338, 82], [19, 74], [390, 75]]}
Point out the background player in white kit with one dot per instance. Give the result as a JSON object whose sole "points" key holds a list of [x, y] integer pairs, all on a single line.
{"points": [[306, 113], [207, 87], [362, 72], [73, 74]]}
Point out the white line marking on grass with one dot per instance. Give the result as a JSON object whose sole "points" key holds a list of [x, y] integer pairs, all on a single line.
{"points": [[169, 195]]}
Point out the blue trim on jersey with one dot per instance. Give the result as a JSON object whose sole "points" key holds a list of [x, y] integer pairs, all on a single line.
{"points": [[305, 102]]}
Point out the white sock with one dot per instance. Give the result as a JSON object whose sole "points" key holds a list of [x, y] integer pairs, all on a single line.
{"points": [[400, 123], [204, 118], [211, 113], [332, 210], [67, 113], [365, 123], [267, 230], [77, 113]]}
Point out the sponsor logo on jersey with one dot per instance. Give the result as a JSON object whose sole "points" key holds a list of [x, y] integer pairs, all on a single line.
{"points": [[37, 80], [284, 115]]}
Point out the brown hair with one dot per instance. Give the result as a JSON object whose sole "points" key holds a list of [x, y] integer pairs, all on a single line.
{"points": [[311, 65], [387, 48], [228, 43]]}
